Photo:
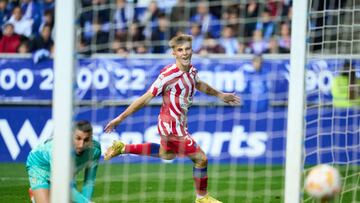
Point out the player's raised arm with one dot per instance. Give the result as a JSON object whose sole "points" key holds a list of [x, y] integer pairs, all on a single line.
{"points": [[229, 98], [135, 106]]}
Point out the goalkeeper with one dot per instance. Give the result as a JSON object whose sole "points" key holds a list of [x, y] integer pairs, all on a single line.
{"points": [[87, 153], [176, 84]]}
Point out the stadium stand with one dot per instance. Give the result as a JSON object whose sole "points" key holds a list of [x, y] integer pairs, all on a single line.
{"points": [[138, 27]]}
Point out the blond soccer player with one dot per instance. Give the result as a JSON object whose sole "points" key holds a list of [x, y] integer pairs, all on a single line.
{"points": [[176, 83]]}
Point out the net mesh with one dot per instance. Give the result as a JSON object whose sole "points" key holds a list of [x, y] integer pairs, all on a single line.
{"points": [[332, 81], [246, 144]]}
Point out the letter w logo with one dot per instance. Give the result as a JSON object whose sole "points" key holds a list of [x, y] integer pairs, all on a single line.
{"points": [[26, 133]]}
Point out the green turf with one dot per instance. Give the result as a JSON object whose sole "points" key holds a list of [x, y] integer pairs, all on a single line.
{"points": [[170, 183]]}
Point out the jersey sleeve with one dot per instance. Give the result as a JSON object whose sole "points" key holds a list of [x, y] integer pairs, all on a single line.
{"points": [[157, 87], [89, 181], [195, 73], [90, 172], [76, 196], [89, 177]]}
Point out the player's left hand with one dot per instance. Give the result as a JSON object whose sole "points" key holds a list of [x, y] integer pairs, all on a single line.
{"points": [[230, 98], [111, 126]]}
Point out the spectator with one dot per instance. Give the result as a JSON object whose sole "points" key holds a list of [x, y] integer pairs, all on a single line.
{"points": [[266, 25], [10, 41], [160, 35], [23, 47], [101, 12], [242, 47], [251, 14], [258, 86], [122, 51], [211, 46], [273, 47], [100, 38], [48, 5], [134, 37], [4, 12], [167, 5], [85, 23], [22, 26], [31, 10], [229, 41], [47, 19], [184, 15], [43, 41], [198, 38], [96, 10], [149, 19], [231, 18], [209, 22], [83, 48], [285, 38], [289, 14], [141, 49], [123, 16], [258, 45], [274, 7], [179, 18], [216, 7]]}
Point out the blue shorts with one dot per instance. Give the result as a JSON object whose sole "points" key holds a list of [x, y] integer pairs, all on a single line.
{"points": [[38, 178]]}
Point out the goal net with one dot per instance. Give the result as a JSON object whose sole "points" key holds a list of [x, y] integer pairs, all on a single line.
{"points": [[332, 82], [245, 144]]}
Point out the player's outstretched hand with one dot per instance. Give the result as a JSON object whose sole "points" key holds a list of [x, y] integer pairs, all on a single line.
{"points": [[230, 98], [111, 126]]}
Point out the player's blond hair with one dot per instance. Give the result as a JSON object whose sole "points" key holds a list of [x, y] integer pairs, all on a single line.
{"points": [[180, 39]]}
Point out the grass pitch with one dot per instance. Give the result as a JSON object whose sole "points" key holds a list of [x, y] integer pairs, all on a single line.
{"points": [[170, 183]]}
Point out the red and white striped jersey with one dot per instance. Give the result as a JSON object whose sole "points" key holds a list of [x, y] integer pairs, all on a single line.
{"points": [[177, 88]]}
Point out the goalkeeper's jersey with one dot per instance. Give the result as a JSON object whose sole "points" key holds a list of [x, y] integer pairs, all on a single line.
{"points": [[39, 162], [41, 157]]}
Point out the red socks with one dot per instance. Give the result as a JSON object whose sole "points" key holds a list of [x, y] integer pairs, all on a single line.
{"points": [[200, 179], [149, 149]]}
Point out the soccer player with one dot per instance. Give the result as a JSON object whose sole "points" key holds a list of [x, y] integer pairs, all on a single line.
{"points": [[86, 152], [176, 83], [345, 87]]}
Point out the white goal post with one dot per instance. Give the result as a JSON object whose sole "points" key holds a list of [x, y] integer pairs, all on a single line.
{"points": [[295, 121], [62, 109]]}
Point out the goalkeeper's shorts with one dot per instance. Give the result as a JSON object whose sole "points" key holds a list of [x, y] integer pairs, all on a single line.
{"points": [[38, 177]]}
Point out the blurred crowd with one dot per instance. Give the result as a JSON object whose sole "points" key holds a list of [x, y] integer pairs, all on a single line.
{"points": [[145, 26], [26, 26]]}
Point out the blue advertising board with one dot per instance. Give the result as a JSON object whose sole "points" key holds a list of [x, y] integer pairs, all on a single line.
{"points": [[124, 79], [226, 134], [222, 132], [254, 132]]}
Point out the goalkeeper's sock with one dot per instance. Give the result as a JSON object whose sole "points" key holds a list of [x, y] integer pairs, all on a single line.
{"points": [[200, 179], [149, 149]]}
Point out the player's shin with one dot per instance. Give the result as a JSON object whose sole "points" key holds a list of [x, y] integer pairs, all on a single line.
{"points": [[148, 149], [200, 180]]}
